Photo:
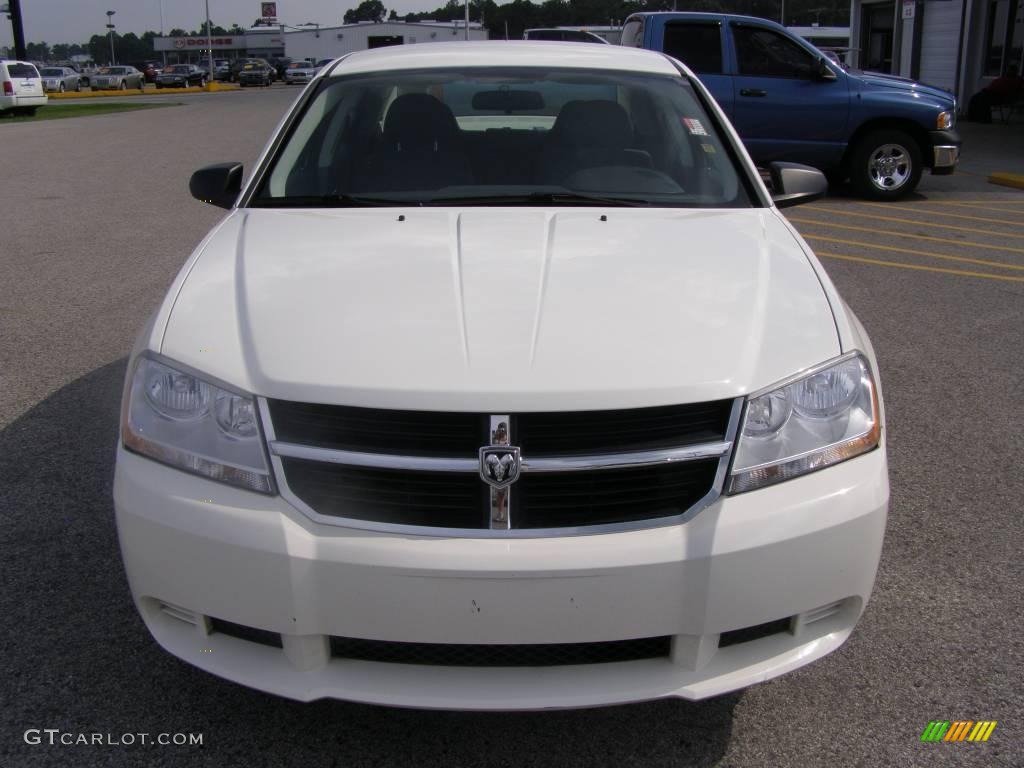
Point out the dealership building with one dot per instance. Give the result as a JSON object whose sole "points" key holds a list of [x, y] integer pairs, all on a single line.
{"points": [[959, 45], [313, 43]]}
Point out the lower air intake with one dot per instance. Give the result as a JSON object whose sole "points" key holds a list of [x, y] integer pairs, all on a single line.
{"points": [[542, 655]]}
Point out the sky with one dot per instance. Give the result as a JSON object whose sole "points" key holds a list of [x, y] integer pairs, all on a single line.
{"points": [[75, 21]]}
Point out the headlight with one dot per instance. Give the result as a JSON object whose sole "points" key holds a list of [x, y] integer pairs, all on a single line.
{"points": [[817, 420], [944, 121], [180, 419]]}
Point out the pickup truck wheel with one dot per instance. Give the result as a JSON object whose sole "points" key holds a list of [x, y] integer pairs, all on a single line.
{"points": [[885, 165]]}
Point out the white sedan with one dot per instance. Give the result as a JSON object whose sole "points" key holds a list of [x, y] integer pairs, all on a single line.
{"points": [[503, 384]]}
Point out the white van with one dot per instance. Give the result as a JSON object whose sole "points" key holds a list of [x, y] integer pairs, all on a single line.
{"points": [[21, 87]]}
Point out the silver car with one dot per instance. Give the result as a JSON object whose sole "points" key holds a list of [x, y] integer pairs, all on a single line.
{"points": [[299, 72], [118, 78], [60, 79]]}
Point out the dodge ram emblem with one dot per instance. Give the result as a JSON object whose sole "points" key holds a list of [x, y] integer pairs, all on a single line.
{"points": [[499, 465]]}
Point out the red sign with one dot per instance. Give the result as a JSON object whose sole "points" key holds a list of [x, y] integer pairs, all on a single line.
{"points": [[268, 10]]}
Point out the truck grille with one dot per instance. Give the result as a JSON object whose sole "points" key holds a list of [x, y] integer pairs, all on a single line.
{"points": [[579, 469]]}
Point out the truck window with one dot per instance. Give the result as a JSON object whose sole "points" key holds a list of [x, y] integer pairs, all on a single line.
{"points": [[633, 33], [766, 53], [698, 46]]}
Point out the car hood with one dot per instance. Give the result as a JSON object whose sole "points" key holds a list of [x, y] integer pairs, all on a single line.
{"points": [[879, 80], [489, 309]]}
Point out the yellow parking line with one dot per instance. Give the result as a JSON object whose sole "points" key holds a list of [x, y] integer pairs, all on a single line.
{"points": [[975, 204], [891, 207], [882, 263], [843, 212], [898, 235], [929, 254]]}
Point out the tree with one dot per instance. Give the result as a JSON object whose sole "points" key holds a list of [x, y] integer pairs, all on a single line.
{"points": [[37, 51], [393, 16], [367, 10], [61, 52]]}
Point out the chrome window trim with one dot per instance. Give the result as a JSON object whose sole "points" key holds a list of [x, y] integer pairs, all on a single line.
{"points": [[279, 449]]}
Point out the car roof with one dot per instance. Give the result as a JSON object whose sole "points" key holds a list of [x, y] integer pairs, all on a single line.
{"points": [[502, 53], [707, 16]]}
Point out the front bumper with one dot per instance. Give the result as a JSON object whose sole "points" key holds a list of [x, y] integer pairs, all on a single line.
{"points": [[200, 549], [945, 151]]}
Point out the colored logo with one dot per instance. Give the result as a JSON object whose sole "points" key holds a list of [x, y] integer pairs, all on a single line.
{"points": [[958, 730]]}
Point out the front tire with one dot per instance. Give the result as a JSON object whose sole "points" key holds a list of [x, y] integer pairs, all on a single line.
{"points": [[885, 165], [60, 88], [124, 85], [78, 87]]}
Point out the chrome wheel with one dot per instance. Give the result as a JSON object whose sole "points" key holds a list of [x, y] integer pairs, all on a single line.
{"points": [[889, 167]]}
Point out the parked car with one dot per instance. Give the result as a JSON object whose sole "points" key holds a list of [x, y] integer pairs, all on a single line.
{"points": [[221, 69], [117, 78], [60, 79], [181, 76], [21, 88], [238, 64], [569, 396], [256, 73], [299, 72], [564, 35], [323, 63], [789, 102]]}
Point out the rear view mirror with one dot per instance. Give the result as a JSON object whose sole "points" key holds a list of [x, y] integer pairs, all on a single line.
{"points": [[507, 100], [217, 184], [793, 184]]}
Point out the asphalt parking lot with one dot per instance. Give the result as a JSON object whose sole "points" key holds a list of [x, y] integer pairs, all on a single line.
{"points": [[95, 220]]}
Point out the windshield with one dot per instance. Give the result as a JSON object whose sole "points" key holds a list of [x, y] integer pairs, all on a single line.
{"points": [[178, 68], [111, 70], [493, 136], [51, 72]]}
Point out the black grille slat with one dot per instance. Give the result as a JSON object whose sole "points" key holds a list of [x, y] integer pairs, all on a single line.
{"points": [[569, 499], [635, 429], [444, 500], [464, 655], [373, 430], [242, 632]]}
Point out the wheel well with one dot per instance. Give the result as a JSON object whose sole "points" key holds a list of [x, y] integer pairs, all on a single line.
{"points": [[916, 132]]}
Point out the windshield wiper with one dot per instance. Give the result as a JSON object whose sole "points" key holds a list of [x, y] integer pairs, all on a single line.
{"points": [[542, 198], [328, 201]]}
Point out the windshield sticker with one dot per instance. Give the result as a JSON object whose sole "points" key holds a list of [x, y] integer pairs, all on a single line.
{"points": [[708, 148], [695, 127]]}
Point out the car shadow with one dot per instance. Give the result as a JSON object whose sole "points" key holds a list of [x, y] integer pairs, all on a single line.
{"points": [[77, 657]]}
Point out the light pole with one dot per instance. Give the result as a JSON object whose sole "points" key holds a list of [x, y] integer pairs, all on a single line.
{"points": [[209, 41], [110, 33], [467, 19], [162, 28]]}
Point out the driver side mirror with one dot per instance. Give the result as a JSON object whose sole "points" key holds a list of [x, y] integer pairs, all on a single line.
{"points": [[793, 184], [217, 184], [822, 71]]}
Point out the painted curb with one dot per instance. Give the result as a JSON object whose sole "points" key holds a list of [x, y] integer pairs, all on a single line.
{"points": [[213, 88], [1015, 180]]}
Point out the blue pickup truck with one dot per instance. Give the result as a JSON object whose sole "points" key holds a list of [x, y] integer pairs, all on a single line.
{"points": [[789, 102]]}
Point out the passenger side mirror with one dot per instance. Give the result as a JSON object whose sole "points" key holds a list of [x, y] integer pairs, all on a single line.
{"points": [[793, 184], [217, 184], [822, 71]]}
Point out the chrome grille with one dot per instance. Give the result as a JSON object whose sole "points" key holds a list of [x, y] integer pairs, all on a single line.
{"points": [[584, 471]]}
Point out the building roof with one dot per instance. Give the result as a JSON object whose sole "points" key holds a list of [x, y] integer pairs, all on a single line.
{"points": [[498, 53]]}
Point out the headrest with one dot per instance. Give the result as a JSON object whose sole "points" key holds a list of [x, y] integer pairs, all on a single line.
{"points": [[419, 121], [597, 123]]}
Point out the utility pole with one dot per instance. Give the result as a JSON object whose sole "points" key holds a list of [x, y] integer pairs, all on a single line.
{"points": [[467, 19], [209, 41], [110, 31], [14, 9], [162, 28]]}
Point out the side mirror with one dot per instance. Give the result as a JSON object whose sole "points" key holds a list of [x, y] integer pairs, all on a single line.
{"points": [[822, 71], [793, 184], [217, 184]]}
